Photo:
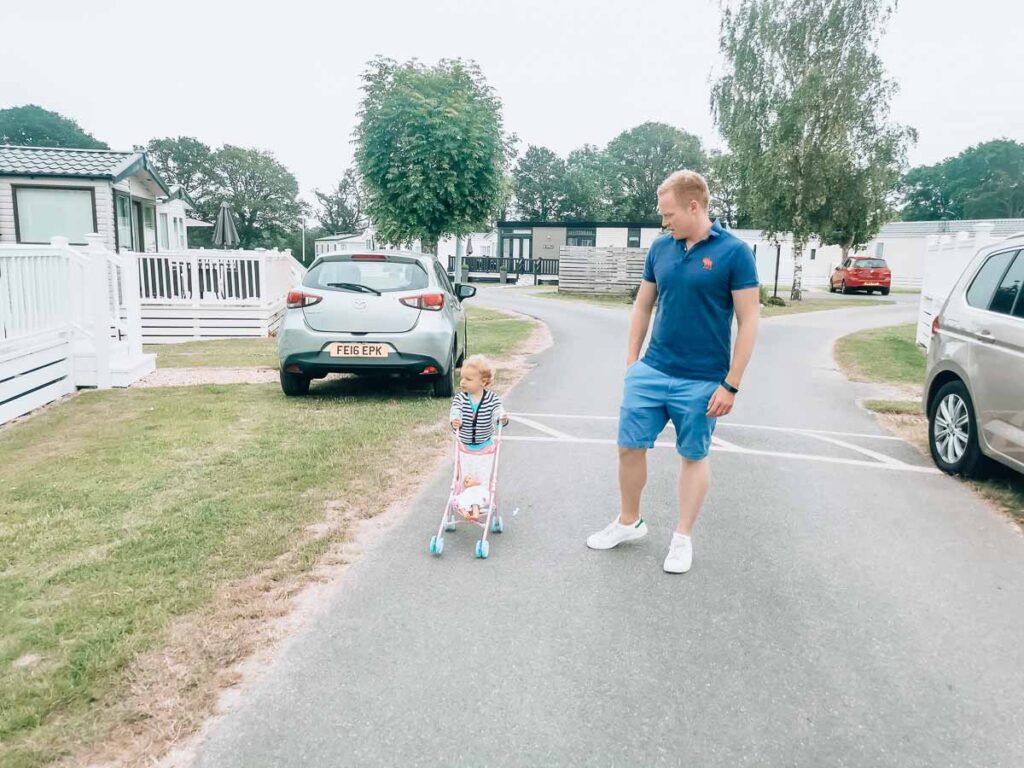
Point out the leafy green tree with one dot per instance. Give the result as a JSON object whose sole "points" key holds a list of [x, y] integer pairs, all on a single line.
{"points": [[430, 149], [262, 195], [984, 181], [188, 163], [586, 185], [638, 160], [33, 126], [539, 179], [726, 184], [804, 104], [341, 209]]}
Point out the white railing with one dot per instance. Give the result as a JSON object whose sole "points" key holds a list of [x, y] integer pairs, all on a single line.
{"points": [[208, 277], [34, 284], [66, 314]]}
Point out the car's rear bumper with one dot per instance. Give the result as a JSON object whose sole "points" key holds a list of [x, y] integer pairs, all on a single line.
{"points": [[316, 364], [853, 282], [427, 345]]}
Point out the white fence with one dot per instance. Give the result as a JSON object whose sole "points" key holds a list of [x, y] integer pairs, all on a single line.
{"points": [[207, 294], [600, 270], [67, 320]]}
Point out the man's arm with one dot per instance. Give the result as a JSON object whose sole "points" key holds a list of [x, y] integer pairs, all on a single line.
{"points": [[748, 313], [640, 319]]}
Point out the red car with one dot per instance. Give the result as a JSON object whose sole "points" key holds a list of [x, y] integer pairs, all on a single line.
{"points": [[861, 274]]}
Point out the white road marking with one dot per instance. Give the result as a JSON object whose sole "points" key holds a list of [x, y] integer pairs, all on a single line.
{"points": [[721, 424], [858, 449], [892, 465], [715, 440], [542, 428]]}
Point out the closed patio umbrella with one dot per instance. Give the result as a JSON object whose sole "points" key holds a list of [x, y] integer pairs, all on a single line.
{"points": [[225, 234]]}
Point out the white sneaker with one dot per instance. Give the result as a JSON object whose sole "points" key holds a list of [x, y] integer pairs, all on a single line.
{"points": [[680, 554], [614, 534]]}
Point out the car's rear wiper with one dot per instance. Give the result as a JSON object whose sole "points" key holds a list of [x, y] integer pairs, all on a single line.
{"points": [[355, 287]]}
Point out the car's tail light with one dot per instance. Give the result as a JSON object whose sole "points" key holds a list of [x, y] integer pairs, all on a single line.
{"points": [[299, 299], [935, 325], [369, 257], [434, 302]]}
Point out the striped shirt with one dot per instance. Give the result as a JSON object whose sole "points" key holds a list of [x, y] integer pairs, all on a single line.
{"points": [[477, 418]]}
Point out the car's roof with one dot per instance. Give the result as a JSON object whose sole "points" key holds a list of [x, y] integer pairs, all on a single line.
{"points": [[346, 255]]}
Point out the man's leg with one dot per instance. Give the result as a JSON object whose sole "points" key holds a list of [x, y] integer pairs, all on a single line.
{"points": [[632, 479], [693, 442], [694, 478], [641, 418]]}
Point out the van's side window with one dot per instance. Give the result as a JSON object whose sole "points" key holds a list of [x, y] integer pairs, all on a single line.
{"points": [[989, 276]]}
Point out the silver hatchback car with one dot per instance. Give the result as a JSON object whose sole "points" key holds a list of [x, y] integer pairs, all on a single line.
{"points": [[383, 311], [974, 391]]}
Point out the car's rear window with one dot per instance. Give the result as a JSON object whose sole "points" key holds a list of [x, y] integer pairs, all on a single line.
{"points": [[869, 264], [383, 276]]}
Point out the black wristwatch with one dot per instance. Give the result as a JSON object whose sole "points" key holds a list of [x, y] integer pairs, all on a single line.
{"points": [[729, 387]]}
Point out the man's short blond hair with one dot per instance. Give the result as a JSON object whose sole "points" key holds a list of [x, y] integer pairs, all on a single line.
{"points": [[687, 185]]}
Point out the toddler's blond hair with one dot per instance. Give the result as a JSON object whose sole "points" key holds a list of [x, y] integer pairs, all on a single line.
{"points": [[481, 365]]}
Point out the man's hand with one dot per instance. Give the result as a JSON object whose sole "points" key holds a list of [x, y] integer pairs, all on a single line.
{"points": [[721, 403]]}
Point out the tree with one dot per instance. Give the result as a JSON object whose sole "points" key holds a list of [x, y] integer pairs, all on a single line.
{"points": [[586, 184], [804, 104], [725, 182], [341, 210], [188, 163], [927, 196], [983, 181], [33, 126], [539, 179], [638, 160], [862, 196], [430, 149], [262, 195]]}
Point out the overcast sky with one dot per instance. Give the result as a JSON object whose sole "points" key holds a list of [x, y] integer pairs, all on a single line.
{"points": [[284, 75]]}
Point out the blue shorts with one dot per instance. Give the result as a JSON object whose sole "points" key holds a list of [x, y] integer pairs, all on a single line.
{"points": [[650, 398]]}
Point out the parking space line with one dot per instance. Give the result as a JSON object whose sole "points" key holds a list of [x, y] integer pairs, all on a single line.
{"points": [[542, 428], [856, 448], [721, 424], [896, 466]]}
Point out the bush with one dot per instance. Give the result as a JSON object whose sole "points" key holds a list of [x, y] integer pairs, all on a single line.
{"points": [[775, 301], [763, 293]]}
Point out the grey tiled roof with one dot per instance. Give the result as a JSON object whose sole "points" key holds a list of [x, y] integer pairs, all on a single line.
{"points": [[1000, 228], [47, 161]]}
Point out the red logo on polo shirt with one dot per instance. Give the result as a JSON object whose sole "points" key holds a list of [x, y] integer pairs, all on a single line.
{"points": [[707, 263]]}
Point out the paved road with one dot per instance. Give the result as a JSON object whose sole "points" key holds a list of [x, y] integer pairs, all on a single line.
{"points": [[847, 606]]}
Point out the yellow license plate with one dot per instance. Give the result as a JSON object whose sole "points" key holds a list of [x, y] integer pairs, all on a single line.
{"points": [[345, 349]]}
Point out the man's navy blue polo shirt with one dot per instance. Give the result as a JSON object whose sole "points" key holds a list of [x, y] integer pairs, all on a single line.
{"points": [[693, 325]]}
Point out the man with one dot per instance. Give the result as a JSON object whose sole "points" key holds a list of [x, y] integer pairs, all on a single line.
{"points": [[699, 274]]}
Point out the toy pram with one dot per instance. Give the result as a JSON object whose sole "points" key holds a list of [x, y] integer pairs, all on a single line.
{"points": [[489, 520]]}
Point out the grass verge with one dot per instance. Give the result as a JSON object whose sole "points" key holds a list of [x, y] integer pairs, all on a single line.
{"points": [[891, 356], [817, 305], [883, 355], [148, 534], [219, 353]]}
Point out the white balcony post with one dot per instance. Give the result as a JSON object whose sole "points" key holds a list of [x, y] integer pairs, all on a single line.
{"points": [[98, 286], [196, 279], [133, 304], [264, 287]]}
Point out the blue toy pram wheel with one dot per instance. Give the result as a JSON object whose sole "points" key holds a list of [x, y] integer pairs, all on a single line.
{"points": [[483, 548], [497, 524], [436, 545]]}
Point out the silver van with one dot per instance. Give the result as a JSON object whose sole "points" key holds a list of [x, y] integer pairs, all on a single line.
{"points": [[974, 391]]}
